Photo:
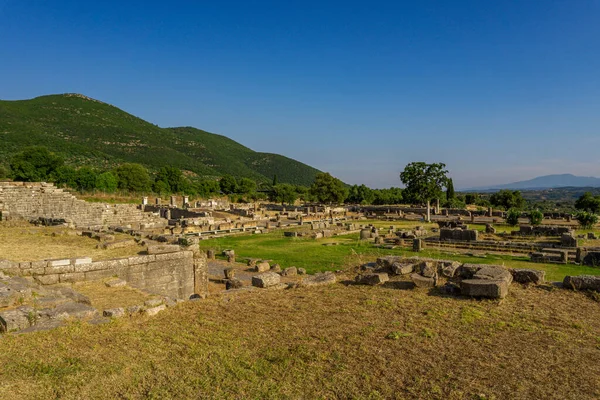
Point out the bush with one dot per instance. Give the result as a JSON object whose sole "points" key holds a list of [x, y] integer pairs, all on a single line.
{"points": [[586, 219], [536, 217], [512, 217]]}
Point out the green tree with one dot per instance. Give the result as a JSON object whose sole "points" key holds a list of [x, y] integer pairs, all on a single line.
{"points": [[133, 177], [303, 192], [535, 217], [450, 190], [274, 180], [284, 193], [66, 175], [507, 199], [173, 178], [107, 182], [228, 184], [392, 195], [35, 164], [586, 219], [207, 188], [85, 178], [327, 189], [4, 171], [512, 217], [360, 195], [588, 202], [246, 186], [424, 182], [471, 198]]}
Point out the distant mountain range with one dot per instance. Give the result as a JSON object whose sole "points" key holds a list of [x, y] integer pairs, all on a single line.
{"points": [[89, 132], [543, 182]]}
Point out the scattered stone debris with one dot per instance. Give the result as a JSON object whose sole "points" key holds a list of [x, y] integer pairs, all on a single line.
{"points": [[266, 279]]}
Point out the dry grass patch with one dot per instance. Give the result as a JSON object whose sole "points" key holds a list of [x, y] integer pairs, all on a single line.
{"points": [[329, 342], [26, 242], [103, 297]]}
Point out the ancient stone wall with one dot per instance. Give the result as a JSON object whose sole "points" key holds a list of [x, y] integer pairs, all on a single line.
{"points": [[177, 274], [35, 200], [543, 230], [458, 234]]}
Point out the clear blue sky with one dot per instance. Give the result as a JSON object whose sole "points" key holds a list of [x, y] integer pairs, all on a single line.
{"points": [[498, 90]]}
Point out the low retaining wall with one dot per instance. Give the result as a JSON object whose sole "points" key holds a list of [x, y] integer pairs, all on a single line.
{"points": [[178, 274]]}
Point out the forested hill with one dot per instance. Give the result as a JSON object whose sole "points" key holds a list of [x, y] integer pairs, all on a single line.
{"points": [[89, 132]]}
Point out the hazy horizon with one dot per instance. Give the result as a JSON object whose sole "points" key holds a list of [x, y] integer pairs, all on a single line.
{"points": [[499, 92]]}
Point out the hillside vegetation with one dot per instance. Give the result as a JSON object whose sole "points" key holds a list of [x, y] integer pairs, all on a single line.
{"points": [[88, 132]]}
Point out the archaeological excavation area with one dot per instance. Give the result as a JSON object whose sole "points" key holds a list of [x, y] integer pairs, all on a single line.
{"points": [[176, 298]]}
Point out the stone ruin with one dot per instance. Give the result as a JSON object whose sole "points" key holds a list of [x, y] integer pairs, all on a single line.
{"points": [[168, 271], [42, 201]]}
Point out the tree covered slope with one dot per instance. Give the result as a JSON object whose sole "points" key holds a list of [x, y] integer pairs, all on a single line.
{"points": [[88, 132]]}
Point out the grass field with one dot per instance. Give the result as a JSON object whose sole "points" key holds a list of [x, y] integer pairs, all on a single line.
{"points": [[335, 342], [315, 255], [29, 243]]}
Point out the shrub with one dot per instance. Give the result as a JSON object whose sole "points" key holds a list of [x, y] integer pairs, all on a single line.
{"points": [[536, 217], [512, 217], [586, 219]]}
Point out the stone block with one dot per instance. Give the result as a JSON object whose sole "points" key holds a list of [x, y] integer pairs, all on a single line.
{"points": [[71, 277], [427, 268], [80, 261], [582, 282], [494, 273], [73, 310], [529, 276], [372, 279], [17, 319], [319, 279], [49, 279], [450, 268], [301, 271], [291, 271], [114, 312], [115, 282], [59, 267], [233, 284], [155, 310], [262, 267], [266, 279], [484, 288], [466, 271], [229, 273], [141, 259], [399, 268], [421, 281]]}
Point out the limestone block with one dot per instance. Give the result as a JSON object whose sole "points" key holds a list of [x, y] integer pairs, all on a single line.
{"points": [[73, 310], [534, 276], [494, 289], [319, 279], [301, 271], [49, 279], [233, 284], [229, 273], [155, 310], [582, 282], [114, 312], [398, 268], [115, 282], [71, 277], [421, 281], [291, 271], [266, 279], [372, 279], [494, 273], [17, 319], [262, 267]]}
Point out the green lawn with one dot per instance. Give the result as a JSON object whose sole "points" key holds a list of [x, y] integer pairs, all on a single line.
{"points": [[315, 255]]}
